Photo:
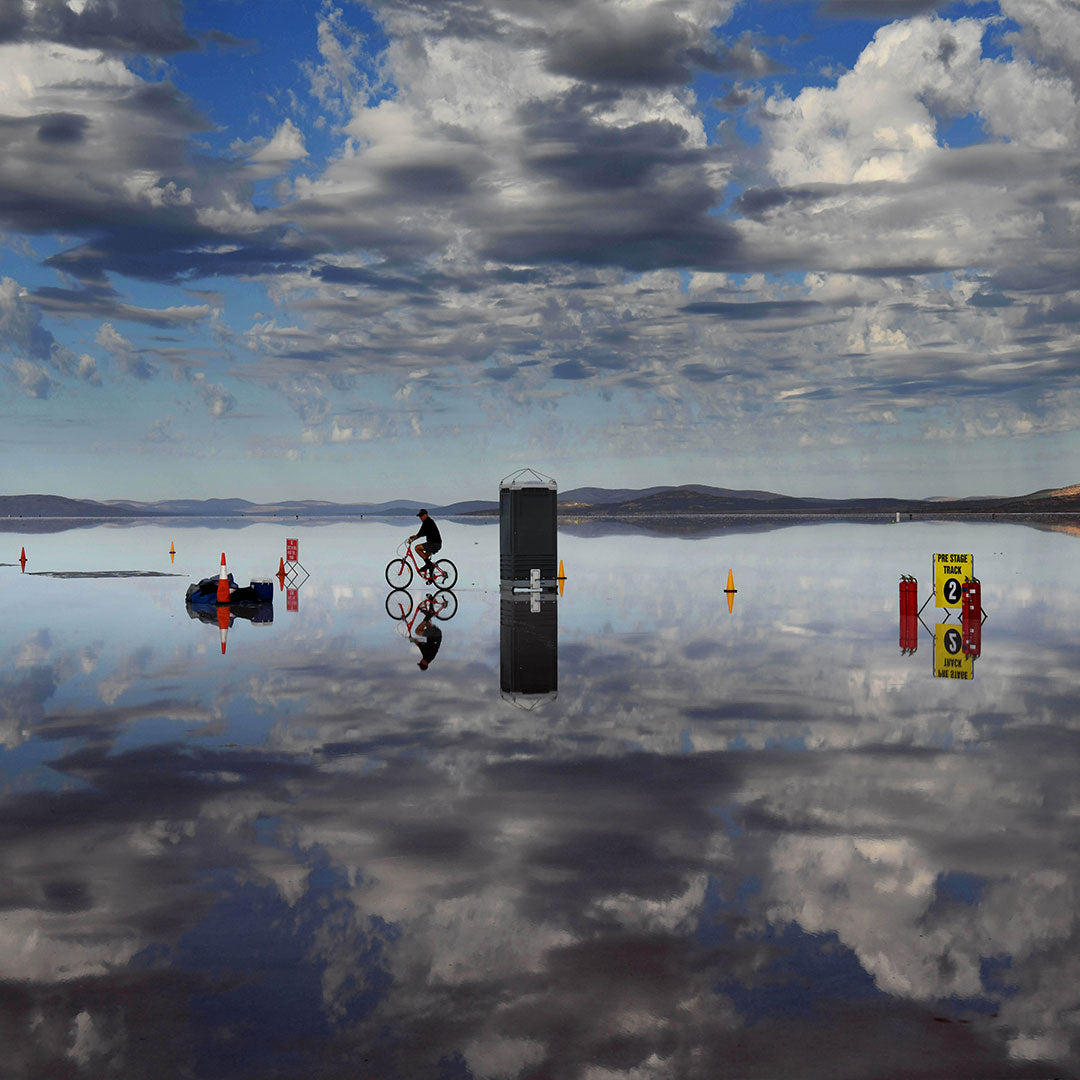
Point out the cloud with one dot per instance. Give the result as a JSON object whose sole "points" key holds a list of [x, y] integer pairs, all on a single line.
{"points": [[36, 351], [522, 192], [215, 397], [127, 357], [154, 26]]}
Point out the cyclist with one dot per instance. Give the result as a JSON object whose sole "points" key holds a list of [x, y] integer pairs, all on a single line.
{"points": [[432, 539]]}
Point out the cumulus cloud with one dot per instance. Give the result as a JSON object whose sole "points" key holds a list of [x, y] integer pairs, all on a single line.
{"points": [[215, 397]]}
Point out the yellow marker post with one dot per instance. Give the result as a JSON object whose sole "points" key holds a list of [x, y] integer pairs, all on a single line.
{"points": [[730, 591]]}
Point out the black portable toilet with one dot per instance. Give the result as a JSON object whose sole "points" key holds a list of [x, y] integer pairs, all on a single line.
{"points": [[528, 544]]}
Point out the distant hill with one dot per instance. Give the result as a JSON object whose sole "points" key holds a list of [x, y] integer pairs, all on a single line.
{"points": [[688, 500], [701, 499], [56, 506]]}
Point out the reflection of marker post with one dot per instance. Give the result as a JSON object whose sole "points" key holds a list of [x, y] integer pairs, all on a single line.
{"points": [[22, 561], [292, 600]]}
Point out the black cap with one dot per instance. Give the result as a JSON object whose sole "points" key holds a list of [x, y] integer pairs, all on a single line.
{"points": [[420, 513]]}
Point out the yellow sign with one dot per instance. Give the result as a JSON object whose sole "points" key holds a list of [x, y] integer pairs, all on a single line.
{"points": [[950, 573], [949, 659]]}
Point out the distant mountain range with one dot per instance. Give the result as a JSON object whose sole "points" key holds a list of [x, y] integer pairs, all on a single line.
{"points": [[690, 500]]}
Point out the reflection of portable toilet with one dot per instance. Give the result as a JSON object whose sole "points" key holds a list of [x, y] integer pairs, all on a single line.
{"points": [[528, 647], [528, 544]]}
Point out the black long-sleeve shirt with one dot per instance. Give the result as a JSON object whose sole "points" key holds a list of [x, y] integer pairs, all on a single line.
{"points": [[429, 531]]}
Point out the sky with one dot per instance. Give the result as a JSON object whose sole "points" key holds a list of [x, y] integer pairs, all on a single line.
{"points": [[349, 251]]}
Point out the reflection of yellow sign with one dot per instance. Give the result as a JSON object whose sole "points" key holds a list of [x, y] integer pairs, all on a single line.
{"points": [[950, 573], [949, 659]]}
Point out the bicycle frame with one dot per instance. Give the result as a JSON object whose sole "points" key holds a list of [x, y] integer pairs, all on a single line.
{"points": [[410, 554], [443, 577]]}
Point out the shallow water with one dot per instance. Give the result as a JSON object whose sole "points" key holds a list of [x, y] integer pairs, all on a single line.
{"points": [[630, 834]]}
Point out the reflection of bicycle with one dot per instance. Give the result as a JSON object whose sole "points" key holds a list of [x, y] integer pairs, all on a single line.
{"points": [[438, 605], [399, 571]]}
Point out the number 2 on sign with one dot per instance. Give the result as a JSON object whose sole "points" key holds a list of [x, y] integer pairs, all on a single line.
{"points": [[951, 570]]}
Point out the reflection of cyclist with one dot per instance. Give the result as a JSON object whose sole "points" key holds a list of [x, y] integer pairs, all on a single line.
{"points": [[432, 540], [427, 637]]}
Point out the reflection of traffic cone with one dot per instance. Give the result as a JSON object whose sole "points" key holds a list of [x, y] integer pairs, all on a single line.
{"points": [[223, 624], [730, 591], [172, 553], [223, 583], [562, 577], [22, 561], [281, 574]]}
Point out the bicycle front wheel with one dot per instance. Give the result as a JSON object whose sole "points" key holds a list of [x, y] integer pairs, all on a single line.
{"points": [[445, 576], [445, 604], [398, 573], [398, 604]]}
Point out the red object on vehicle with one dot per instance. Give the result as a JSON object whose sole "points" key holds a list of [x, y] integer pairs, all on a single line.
{"points": [[909, 615], [971, 617]]}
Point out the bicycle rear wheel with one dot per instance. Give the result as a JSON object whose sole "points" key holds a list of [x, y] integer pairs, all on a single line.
{"points": [[398, 604], [398, 573], [445, 576], [445, 606]]}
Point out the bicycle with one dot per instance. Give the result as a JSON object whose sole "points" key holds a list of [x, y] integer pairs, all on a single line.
{"points": [[399, 571], [441, 605]]}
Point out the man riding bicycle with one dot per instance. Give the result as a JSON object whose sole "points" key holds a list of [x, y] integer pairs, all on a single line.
{"points": [[429, 531]]}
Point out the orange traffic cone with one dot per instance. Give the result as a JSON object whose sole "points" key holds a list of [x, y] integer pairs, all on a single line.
{"points": [[172, 552], [223, 624], [281, 574], [22, 561], [223, 583]]}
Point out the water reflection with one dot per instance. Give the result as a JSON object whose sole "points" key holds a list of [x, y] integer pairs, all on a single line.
{"points": [[528, 647], [956, 648], [756, 845], [418, 621]]}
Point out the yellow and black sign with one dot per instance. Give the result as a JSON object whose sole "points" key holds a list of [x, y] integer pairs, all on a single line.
{"points": [[950, 662], [950, 573]]}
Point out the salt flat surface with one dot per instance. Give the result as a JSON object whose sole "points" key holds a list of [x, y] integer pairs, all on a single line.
{"points": [[696, 844]]}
